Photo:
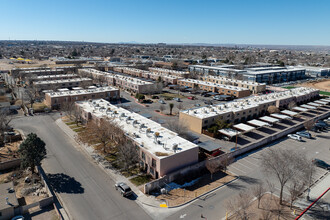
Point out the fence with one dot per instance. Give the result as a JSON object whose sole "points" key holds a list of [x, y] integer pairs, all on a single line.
{"points": [[10, 164]]}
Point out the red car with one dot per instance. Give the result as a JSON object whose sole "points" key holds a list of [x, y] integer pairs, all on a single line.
{"points": [[191, 97]]}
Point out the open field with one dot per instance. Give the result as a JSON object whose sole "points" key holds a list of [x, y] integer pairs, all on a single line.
{"points": [[321, 85]]}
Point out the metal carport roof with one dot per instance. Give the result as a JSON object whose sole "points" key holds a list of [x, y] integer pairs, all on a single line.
{"points": [[229, 132], [269, 119], [244, 127], [299, 109], [308, 106], [258, 123], [290, 113], [320, 102], [280, 116]]}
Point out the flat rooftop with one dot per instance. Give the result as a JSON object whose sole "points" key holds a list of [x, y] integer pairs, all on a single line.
{"points": [[81, 91], [234, 80], [55, 76], [265, 70], [139, 128], [245, 103], [205, 83], [62, 81], [167, 70], [218, 68]]}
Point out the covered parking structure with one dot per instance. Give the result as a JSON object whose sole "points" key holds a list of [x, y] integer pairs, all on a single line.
{"points": [[300, 109], [321, 102], [289, 113], [244, 127], [280, 116], [314, 104], [327, 100], [308, 107], [258, 123], [229, 132], [270, 120]]}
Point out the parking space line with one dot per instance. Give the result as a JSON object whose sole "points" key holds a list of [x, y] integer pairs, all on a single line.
{"points": [[236, 169], [246, 160], [245, 166]]}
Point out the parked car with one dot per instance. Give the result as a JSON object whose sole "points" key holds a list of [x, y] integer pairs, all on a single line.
{"points": [[162, 101], [191, 97], [321, 164], [124, 189], [177, 99], [197, 105], [19, 217], [304, 134], [207, 102], [149, 101], [295, 137], [320, 126]]}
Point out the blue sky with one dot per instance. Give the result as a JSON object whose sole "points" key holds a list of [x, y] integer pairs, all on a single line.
{"points": [[292, 22]]}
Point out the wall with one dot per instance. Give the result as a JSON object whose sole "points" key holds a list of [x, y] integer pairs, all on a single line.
{"points": [[10, 164]]}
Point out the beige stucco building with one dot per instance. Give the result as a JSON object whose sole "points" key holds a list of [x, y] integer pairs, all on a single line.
{"points": [[242, 110], [159, 155], [63, 83]]}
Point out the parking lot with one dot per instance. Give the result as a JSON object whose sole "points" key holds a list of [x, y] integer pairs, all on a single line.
{"points": [[316, 148]]}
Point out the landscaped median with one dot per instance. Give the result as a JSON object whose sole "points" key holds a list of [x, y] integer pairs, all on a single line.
{"points": [[186, 192]]}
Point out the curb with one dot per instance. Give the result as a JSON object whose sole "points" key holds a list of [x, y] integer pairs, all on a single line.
{"points": [[205, 194]]}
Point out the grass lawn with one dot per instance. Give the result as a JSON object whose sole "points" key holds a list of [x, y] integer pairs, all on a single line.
{"points": [[78, 129], [111, 158], [70, 123], [324, 93], [172, 95], [142, 179], [39, 106], [288, 87]]}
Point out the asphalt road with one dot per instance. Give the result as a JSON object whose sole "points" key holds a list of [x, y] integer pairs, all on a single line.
{"points": [[86, 190]]}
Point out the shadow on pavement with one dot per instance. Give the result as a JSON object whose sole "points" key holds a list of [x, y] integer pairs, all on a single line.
{"points": [[249, 180], [62, 183], [235, 186]]}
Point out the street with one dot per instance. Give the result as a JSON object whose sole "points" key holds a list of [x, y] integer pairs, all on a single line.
{"points": [[86, 191]]}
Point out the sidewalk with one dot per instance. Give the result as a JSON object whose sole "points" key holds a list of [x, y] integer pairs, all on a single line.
{"points": [[148, 203]]}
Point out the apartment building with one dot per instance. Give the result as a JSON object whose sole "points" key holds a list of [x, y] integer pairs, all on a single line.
{"points": [[238, 92], [130, 71], [63, 83], [51, 77], [254, 87], [128, 83], [55, 100], [163, 71], [161, 151], [273, 74], [242, 110]]}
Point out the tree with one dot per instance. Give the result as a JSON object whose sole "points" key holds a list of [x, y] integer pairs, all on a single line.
{"points": [[171, 107], [180, 106], [181, 129], [128, 154], [32, 151], [68, 108], [295, 189], [222, 124], [225, 160], [5, 119], [258, 192], [162, 107], [291, 105], [32, 92], [212, 165], [272, 109], [238, 205], [309, 125], [284, 165]]}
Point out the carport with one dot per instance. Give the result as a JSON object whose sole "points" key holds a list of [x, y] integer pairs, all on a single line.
{"points": [[229, 132], [269, 119], [244, 127], [212, 93], [308, 107], [320, 102], [290, 113], [258, 123], [314, 104], [325, 100], [280, 116], [299, 109]]}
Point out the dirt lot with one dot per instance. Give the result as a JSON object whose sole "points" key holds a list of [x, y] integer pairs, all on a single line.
{"points": [[205, 184], [9, 151], [322, 85]]}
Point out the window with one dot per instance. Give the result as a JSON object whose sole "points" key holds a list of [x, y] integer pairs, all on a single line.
{"points": [[143, 156], [153, 163], [152, 171]]}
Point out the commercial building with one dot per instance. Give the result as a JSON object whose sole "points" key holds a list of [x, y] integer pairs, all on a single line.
{"points": [[242, 110], [254, 87], [161, 151], [224, 71], [64, 83], [215, 87], [316, 71], [163, 71], [273, 74], [55, 100]]}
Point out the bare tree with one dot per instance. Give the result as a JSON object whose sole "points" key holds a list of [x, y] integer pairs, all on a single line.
{"points": [[239, 205], [68, 108], [291, 105], [180, 106], [224, 161], [5, 119], [283, 164], [258, 192], [32, 92], [128, 155], [272, 109], [171, 107], [309, 125], [295, 189], [266, 213], [271, 188], [212, 165], [181, 129], [162, 107]]}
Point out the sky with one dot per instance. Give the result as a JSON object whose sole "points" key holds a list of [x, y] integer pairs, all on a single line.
{"points": [[275, 22]]}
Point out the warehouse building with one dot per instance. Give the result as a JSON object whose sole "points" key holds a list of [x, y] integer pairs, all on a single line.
{"points": [[161, 151]]}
